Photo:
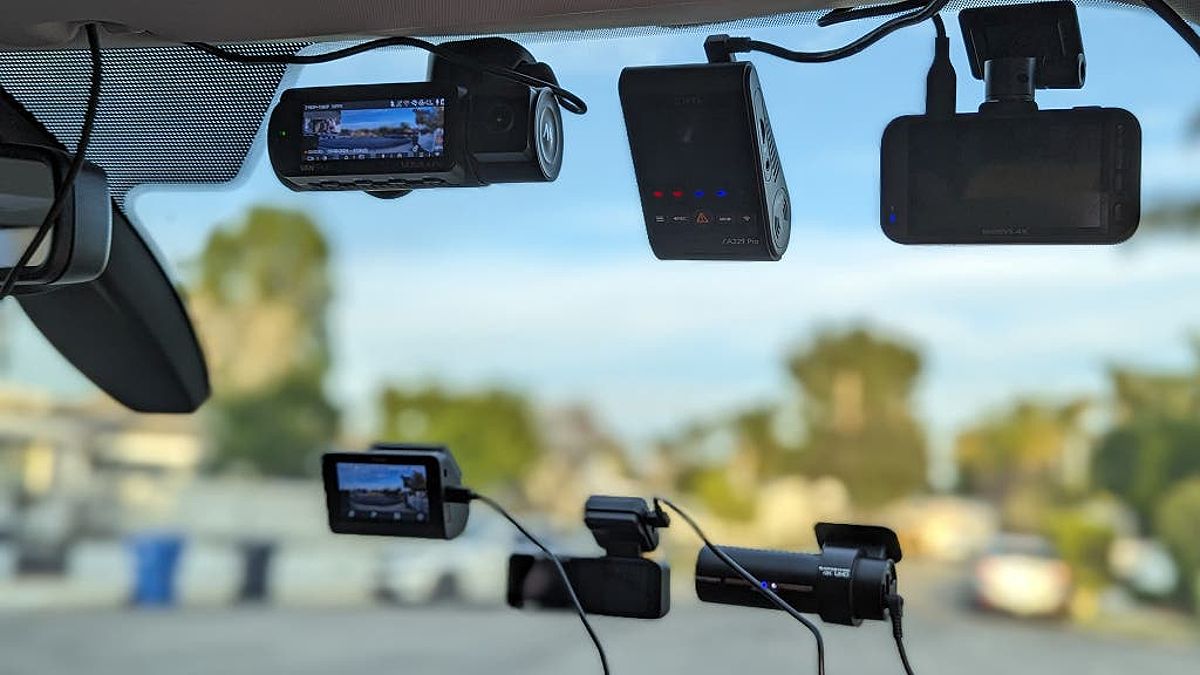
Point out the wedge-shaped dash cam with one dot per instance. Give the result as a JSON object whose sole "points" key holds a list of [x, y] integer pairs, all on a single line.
{"points": [[1011, 173], [707, 165], [395, 491]]}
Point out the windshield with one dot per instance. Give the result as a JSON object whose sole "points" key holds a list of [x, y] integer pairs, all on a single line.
{"points": [[954, 394]]}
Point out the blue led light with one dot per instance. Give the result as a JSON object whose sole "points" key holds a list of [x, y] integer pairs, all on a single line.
{"points": [[721, 193], [763, 584], [892, 217], [699, 193]]}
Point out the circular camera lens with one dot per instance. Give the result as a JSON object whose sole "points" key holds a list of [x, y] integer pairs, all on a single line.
{"points": [[500, 118], [547, 130]]}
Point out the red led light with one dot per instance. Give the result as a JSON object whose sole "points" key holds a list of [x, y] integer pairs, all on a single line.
{"points": [[658, 194], [677, 194]]}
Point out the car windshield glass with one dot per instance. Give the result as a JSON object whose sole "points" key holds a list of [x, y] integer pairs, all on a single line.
{"points": [[954, 394]]}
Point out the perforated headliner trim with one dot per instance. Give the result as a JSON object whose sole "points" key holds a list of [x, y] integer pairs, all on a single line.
{"points": [[167, 114], [50, 23]]}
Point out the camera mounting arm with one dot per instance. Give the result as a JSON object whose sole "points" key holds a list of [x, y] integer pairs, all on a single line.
{"points": [[1018, 49], [625, 527]]}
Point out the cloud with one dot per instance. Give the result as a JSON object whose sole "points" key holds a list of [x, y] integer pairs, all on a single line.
{"points": [[651, 343]]}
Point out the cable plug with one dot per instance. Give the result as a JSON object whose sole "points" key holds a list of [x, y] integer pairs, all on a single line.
{"points": [[721, 48], [941, 84], [895, 605]]}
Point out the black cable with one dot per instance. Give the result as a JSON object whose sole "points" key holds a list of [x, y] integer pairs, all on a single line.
{"points": [[739, 45], [940, 27], [755, 583], [562, 573], [941, 83], [844, 14], [1176, 22], [569, 101], [896, 614], [68, 180]]}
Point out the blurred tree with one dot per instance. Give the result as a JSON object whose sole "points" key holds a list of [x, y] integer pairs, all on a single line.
{"points": [[1178, 525], [857, 391], [260, 300], [1156, 443], [1025, 446], [493, 433]]}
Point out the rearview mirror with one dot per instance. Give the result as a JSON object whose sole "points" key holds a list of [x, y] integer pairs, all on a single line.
{"points": [[77, 247]]}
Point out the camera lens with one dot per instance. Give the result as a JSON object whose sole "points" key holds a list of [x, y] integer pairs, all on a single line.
{"points": [[500, 118], [547, 132]]}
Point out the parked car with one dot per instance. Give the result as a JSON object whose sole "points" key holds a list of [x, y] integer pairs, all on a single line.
{"points": [[1021, 575]]}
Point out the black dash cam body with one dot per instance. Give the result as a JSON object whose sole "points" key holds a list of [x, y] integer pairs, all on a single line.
{"points": [[621, 583], [394, 491], [630, 588], [708, 170], [847, 582], [459, 129], [1039, 177]]}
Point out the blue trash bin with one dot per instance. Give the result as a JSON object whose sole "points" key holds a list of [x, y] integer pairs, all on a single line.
{"points": [[155, 561]]}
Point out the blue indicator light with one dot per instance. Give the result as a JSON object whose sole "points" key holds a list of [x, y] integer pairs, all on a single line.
{"points": [[763, 584], [721, 193], [892, 217], [699, 193]]}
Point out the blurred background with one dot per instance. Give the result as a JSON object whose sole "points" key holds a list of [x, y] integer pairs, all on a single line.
{"points": [[1028, 420]]}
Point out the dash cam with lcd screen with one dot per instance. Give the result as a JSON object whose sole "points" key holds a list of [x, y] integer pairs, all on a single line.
{"points": [[394, 491], [461, 128], [1013, 173], [708, 170], [1043, 177]]}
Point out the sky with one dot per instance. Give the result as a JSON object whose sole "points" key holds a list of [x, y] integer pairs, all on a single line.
{"points": [[374, 476], [552, 288]]}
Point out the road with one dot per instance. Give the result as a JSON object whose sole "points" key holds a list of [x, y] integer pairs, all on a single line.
{"points": [[694, 639]]}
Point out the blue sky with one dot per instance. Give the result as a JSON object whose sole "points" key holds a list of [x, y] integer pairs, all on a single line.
{"points": [[374, 476], [372, 118], [553, 289]]}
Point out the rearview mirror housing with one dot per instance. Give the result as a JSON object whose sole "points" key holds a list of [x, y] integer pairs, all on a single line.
{"points": [[76, 250]]}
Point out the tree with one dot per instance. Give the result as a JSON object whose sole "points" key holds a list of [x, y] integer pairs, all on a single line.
{"points": [[1156, 444], [1178, 525], [492, 433], [1025, 446], [856, 389], [261, 298]]}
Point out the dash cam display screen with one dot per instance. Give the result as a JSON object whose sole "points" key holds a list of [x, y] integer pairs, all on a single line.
{"points": [[383, 492], [993, 176], [372, 130]]}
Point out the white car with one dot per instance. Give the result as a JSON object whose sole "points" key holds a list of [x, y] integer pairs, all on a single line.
{"points": [[1022, 575]]}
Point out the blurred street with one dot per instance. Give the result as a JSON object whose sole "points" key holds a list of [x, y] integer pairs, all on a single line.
{"points": [[944, 639]]}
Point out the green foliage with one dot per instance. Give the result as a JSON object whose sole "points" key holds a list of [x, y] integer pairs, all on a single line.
{"points": [[1141, 459], [278, 431], [267, 276], [1083, 544], [492, 433], [1177, 524], [714, 489], [1022, 447], [856, 390]]}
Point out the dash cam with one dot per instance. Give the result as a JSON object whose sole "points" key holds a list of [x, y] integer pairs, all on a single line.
{"points": [[622, 583], [1042, 177], [708, 170], [849, 581], [1012, 173], [395, 491], [76, 249], [461, 128]]}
